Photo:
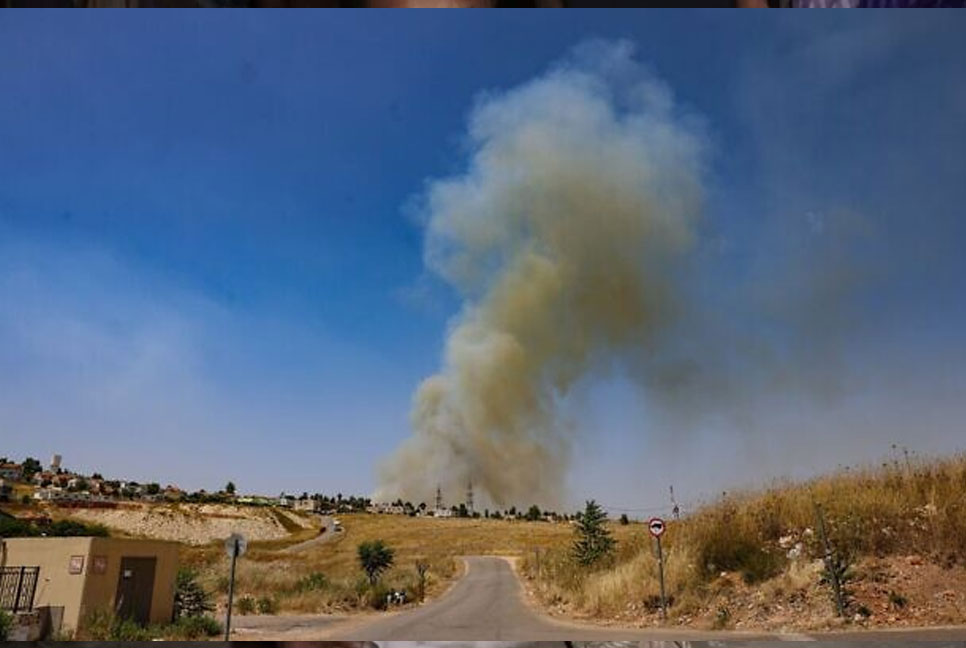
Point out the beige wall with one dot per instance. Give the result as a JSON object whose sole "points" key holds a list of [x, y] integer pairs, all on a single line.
{"points": [[81, 593], [55, 585], [101, 588]]}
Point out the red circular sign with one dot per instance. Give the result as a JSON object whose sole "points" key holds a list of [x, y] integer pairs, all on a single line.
{"points": [[656, 526]]}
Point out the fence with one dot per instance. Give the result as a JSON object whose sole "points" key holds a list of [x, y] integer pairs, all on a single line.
{"points": [[17, 587]]}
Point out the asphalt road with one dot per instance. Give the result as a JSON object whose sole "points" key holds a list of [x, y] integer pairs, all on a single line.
{"points": [[487, 604]]}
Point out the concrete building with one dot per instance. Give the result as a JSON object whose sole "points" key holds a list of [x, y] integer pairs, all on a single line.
{"points": [[134, 578], [308, 505]]}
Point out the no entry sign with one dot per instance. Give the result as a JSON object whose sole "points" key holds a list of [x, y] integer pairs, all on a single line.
{"points": [[656, 527]]}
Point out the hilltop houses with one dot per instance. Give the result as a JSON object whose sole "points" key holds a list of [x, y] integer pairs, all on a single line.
{"points": [[11, 472]]}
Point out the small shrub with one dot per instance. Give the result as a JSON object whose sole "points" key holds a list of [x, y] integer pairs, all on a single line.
{"points": [[376, 596], [73, 528], [194, 627], [839, 566], [6, 622], [14, 528], [896, 600], [722, 618], [245, 605], [103, 625], [267, 605], [311, 583]]}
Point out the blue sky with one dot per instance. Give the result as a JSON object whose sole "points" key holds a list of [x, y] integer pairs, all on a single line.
{"points": [[210, 268]]}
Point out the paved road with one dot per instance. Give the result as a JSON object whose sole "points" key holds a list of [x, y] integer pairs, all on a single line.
{"points": [[329, 533], [487, 605]]}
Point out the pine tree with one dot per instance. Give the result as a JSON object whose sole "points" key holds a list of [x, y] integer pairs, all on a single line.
{"points": [[189, 598], [593, 542]]}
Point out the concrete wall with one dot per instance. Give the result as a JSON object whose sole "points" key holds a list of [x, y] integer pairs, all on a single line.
{"points": [[81, 593]]}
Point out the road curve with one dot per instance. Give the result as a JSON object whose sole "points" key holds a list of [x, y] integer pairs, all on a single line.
{"points": [[487, 605]]}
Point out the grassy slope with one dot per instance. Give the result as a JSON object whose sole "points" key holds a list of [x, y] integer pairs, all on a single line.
{"points": [[728, 564]]}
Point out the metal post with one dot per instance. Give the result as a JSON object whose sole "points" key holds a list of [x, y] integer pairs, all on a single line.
{"points": [[231, 590], [829, 562], [660, 571]]}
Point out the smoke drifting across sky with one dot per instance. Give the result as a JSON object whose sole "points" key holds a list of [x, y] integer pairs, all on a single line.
{"points": [[577, 240], [565, 237]]}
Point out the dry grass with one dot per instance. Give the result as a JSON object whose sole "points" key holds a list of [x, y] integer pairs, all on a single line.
{"points": [[899, 508], [264, 571]]}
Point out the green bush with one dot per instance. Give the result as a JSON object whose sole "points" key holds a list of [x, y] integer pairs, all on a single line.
{"points": [[195, 627], [14, 528], [70, 528], [311, 582], [6, 621], [267, 605], [245, 605], [103, 625]]}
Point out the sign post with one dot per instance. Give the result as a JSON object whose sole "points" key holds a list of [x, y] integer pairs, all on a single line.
{"points": [[656, 527], [235, 546]]}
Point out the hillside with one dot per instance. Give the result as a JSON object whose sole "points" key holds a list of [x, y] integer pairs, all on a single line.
{"points": [[196, 524], [754, 559]]}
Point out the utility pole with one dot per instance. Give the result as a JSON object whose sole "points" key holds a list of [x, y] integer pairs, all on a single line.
{"points": [[235, 546], [439, 498], [675, 510], [469, 498]]}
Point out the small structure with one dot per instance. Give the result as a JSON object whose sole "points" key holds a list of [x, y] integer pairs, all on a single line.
{"points": [[308, 505], [11, 472], [172, 493], [76, 576]]}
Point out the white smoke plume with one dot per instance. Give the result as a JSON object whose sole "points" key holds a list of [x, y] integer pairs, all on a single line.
{"points": [[568, 238]]}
